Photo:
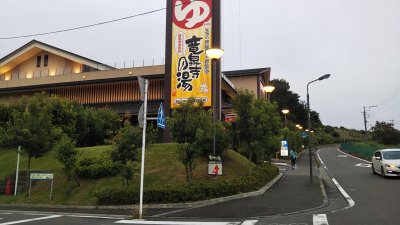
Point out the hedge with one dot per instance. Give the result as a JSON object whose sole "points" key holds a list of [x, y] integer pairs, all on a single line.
{"points": [[94, 168], [194, 191]]}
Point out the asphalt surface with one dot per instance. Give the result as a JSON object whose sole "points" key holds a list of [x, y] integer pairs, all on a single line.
{"points": [[377, 200], [292, 193]]}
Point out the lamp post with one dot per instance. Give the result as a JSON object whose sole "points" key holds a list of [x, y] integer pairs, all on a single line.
{"points": [[326, 76], [214, 54], [285, 111], [268, 89]]}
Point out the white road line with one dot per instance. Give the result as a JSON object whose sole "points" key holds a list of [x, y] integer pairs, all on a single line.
{"points": [[249, 222], [175, 222], [320, 219], [349, 200], [29, 220], [353, 156]]}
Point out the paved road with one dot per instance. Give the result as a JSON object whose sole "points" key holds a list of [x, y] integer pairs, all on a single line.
{"points": [[371, 200], [376, 200]]}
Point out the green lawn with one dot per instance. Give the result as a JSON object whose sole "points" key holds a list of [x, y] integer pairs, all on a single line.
{"points": [[161, 168]]}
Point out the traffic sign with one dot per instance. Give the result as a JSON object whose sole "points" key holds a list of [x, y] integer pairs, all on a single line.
{"points": [[284, 148], [303, 134], [161, 117]]}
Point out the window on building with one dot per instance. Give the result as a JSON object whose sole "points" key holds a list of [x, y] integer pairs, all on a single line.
{"points": [[46, 60], [38, 61]]}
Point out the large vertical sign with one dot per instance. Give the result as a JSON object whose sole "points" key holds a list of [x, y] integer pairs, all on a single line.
{"points": [[191, 37]]}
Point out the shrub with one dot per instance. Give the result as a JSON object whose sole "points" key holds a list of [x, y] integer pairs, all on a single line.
{"points": [[93, 168], [194, 191]]}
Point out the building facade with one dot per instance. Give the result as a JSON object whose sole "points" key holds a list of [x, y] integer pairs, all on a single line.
{"points": [[39, 67]]}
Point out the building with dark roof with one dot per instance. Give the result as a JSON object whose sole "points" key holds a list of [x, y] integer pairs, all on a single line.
{"points": [[39, 67]]}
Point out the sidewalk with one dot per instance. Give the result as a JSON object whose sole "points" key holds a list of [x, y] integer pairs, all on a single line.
{"points": [[292, 193]]}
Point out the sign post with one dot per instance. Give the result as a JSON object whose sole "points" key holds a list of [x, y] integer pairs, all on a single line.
{"points": [[41, 176], [214, 165], [284, 148], [143, 84], [161, 117], [16, 173]]}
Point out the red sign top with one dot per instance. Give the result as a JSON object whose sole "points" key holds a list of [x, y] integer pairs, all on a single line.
{"points": [[191, 15]]}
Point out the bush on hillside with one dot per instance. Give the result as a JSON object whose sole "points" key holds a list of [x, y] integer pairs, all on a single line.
{"points": [[190, 191], [94, 168]]}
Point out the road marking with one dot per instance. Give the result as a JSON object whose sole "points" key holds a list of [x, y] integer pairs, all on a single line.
{"points": [[280, 164], [363, 165], [29, 220], [352, 156], [342, 156], [350, 201], [247, 222], [320, 219]]}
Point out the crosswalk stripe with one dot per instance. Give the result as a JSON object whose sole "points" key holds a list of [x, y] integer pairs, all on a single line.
{"points": [[29, 220], [320, 219], [247, 222]]}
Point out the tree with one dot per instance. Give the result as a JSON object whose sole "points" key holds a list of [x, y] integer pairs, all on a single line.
{"points": [[385, 133], [127, 145], [256, 127], [32, 128], [94, 126], [67, 156], [193, 128], [285, 98]]}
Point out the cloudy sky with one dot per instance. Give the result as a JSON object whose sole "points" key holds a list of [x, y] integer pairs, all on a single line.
{"points": [[356, 41]]}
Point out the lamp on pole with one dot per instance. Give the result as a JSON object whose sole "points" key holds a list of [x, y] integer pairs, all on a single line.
{"points": [[214, 54], [326, 76], [268, 89], [285, 111]]}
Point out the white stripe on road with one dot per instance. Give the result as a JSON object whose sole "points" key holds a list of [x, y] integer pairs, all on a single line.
{"points": [[352, 156], [247, 222], [320, 219], [29, 220], [350, 201]]}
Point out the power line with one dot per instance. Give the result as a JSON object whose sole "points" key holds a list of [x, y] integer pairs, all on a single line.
{"points": [[91, 25]]}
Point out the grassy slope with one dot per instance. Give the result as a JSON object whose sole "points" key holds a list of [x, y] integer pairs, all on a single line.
{"points": [[364, 150], [161, 167]]}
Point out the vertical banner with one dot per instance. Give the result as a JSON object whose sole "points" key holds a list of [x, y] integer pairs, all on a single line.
{"points": [[191, 37]]}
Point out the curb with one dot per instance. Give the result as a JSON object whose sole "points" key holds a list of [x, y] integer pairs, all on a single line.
{"points": [[158, 206]]}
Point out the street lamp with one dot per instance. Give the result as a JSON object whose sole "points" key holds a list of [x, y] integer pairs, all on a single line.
{"points": [[214, 54], [268, 89], [285, 111], [326, 76]]}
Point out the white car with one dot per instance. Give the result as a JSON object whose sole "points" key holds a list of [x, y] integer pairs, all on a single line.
{"points": [[386, 162]]}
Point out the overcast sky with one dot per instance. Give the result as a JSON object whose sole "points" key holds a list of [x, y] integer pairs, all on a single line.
{"points": [[356, 41]]}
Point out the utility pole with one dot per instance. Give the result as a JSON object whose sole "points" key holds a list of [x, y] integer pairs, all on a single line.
{"points": [[366, 108]]}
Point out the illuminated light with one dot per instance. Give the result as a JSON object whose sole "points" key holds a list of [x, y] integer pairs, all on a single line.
{"points": [[77, 70], [298, 125], [214, 53], [268, 88], [29, 75], [52, 73], [130, 72], [83, 77], [7, 77], [285, 111]]}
